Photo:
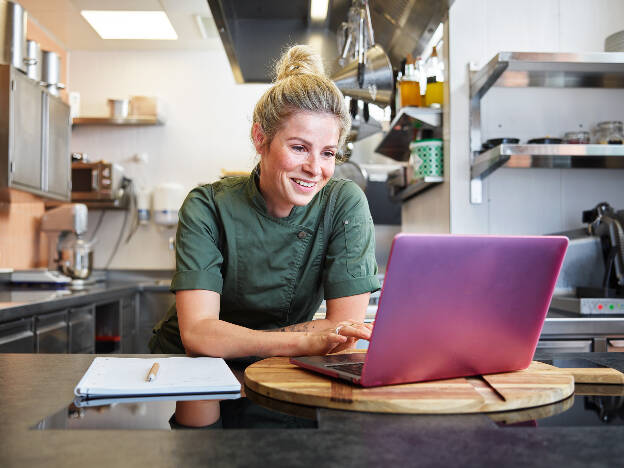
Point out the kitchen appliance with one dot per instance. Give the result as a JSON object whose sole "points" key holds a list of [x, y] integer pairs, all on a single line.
{"points": [[400, 27], [167, 199], [33, 60], [99, 181], [70, 257], [592, 276], [68, 252]]}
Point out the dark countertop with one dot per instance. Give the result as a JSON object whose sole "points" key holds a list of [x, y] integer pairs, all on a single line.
{"points": [[23, 301], [341, 439]]}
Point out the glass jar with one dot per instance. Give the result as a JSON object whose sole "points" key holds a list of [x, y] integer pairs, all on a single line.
{"points": [[609, 133], [576, 138]]}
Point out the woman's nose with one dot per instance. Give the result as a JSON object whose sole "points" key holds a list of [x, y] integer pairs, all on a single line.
{"points": [[313, 165]]}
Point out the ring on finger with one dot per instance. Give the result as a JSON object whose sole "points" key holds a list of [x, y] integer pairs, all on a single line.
{"points": [[338, 328]]}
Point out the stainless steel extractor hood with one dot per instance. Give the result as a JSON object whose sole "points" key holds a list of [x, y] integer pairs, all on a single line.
{"points": [[254, 32]]}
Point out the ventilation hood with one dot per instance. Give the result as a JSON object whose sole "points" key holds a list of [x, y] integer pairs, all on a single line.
{"points": [[254, 33]]}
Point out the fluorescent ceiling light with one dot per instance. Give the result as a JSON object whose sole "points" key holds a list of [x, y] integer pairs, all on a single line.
{"points": [[112, 24], [318, 9]]}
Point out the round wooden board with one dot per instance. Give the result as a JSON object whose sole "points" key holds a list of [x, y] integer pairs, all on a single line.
{"points": [[538, 385]]}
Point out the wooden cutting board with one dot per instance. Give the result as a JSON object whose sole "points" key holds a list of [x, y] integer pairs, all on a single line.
{"points": [[277, 378], [590, 375]]}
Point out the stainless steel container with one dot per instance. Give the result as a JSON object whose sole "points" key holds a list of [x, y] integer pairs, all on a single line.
{"points": [[76, 258], [51, 71], [13, 40], [33, 60], [118, 108]]}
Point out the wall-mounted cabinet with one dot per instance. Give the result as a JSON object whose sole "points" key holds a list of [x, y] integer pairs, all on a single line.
{"points": [[34, 137], [553, 70]]}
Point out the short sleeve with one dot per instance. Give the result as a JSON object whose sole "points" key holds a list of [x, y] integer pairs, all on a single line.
{"points": [[198, 258], [350, 267]]}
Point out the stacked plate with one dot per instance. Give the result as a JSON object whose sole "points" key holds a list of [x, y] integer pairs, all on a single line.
{"points": [[615, 42]]}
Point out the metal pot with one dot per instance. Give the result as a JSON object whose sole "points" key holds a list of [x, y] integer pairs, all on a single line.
{"points": [[76, 258]]}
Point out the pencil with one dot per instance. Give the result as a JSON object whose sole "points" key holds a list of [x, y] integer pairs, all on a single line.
{"points": [[151, 375]]}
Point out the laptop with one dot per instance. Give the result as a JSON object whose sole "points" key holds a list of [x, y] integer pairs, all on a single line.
{"points": [[454, 306]]}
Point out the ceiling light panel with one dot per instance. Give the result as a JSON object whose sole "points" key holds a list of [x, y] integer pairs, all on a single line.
{"points": [[318, 9], [109, 24]]}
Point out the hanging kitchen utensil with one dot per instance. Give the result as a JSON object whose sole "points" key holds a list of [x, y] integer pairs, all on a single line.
{"points": [[368, 76], [376, 74]]}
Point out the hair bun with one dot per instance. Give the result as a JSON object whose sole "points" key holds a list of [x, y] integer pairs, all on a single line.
{"points": [[299, 60]]}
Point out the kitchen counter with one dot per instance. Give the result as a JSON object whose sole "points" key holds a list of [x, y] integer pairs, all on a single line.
{"points": [[341, 438], [23, 301]]}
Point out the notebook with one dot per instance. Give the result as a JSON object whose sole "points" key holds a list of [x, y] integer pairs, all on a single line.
{"points": [[124, 377], [453, 306], [83, 402]]}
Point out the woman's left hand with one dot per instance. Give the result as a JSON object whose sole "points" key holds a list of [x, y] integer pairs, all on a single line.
{"points": [[354, 331]]}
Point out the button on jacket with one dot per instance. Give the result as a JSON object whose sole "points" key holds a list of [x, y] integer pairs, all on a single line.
{"points": [[271, 272]]}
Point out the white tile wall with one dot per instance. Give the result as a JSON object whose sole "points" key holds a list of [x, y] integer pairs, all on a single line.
{"points": [[208, 120], [530, 201]]}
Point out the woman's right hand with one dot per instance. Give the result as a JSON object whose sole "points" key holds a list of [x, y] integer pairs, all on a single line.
{"points": [[333, 340]]}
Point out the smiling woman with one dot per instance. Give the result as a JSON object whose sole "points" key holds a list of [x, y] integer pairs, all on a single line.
{"points": [[259, 253]]}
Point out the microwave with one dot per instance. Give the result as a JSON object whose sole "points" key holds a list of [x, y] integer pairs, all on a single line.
{"points": [[96, 181]]}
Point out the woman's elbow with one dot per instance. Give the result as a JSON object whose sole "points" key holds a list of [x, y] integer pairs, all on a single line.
{"points": [[197, 340]]}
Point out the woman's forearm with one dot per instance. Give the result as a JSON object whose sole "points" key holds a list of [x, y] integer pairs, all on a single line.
{"points": [[217, 338], [312, 325]]}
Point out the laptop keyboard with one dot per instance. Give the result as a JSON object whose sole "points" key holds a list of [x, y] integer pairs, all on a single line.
{"points": [[355, 368]]}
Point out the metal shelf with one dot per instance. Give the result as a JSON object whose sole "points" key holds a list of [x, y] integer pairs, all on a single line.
{"points": [[527, 69], [543, 156], [111, 121], [549, 156], [395, 143], [559, 70], [414, 188]]}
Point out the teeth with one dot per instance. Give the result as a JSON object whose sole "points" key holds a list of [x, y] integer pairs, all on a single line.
{"points": [[304, 184]]}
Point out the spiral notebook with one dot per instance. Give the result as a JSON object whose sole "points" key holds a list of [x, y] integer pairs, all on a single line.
{"points": [[126, 377]]}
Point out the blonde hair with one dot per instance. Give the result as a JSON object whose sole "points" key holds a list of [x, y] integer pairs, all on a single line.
{"points": [[300, 85]]}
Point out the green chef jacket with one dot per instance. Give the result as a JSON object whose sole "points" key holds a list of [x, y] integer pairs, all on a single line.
{"points": [[271, 272]]}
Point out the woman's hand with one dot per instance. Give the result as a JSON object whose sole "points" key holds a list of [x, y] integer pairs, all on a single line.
{"points": [[333, 340], [354, 331]]}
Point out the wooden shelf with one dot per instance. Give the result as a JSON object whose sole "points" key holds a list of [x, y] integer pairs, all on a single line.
{"points": [[111, 121]]}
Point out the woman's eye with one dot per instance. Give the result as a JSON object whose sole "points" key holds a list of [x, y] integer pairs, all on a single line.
{"points": [[328, 154], [298, 148]]}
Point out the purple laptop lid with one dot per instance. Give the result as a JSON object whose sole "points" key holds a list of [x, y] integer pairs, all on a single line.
{"points": [[455, 305]]}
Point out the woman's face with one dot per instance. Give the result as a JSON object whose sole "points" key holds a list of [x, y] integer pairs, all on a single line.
{"points": [[299, 161]]}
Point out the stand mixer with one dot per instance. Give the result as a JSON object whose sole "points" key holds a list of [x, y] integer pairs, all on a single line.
{"points": [[67, 251]]}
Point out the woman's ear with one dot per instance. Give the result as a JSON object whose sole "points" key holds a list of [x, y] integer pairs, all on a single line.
{"points": [[257, 135]]}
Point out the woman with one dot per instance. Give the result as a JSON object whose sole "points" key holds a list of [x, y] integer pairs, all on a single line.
{"points": [[259, 253]]}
